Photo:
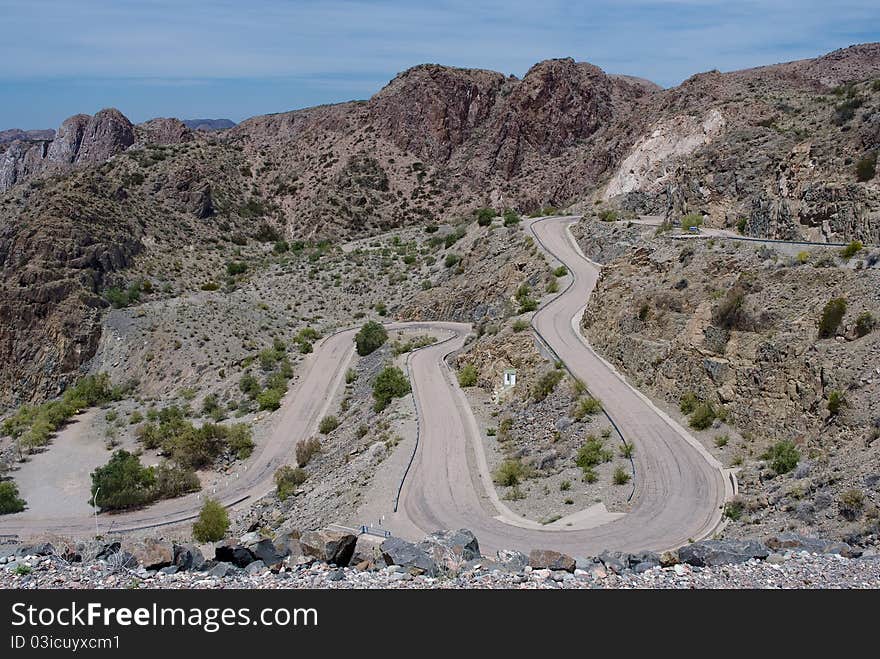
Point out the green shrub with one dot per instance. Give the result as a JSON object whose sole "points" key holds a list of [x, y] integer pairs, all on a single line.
{"points": [[851, 504], [587, 407], [484, 216], [234, 268], [451, 260], [305, 449], [546, 384], [269, 399], [328, 424], [608, 215], [123, 482], [832, 315], [866, 168], [510, 472], [783, 456], [565, 486], [519, 325], [174, 481], [287, 479], [592, 454], [734, 509], [527, 304], [627, 450], [741, 225], [852, 249], [23, 570], [561, 271], [721, 441], [467, 376], [688, 402], [511, 217], [621, 477], [835, 402], [9, 499], [351, 376], [390, 383], [590, 475], [865, 323], [370, 338], [702, 416], [213, 522]]}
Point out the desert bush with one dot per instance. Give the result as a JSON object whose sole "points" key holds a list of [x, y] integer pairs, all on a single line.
{"points": [[213, 522], [865, 323], [174, 481], [592, 454], [702, 416], [370, 338], [451, 260], [287, 479], [608, 215], [546, 384], [734, 509], [783, 456], [390, 383], [721, 441], [484, 216], [835, 402], [688, 402], [305, 449], [627, 450], [10, 502], [510, 472], [328, 424], [269, 399], [866, 168], [561, 271], [234, 268], [851, 504], [123, 482], [832, 315], [853, 248], [467, 376], [519, 325], [587, 407], [510, 217], [621, 477]]}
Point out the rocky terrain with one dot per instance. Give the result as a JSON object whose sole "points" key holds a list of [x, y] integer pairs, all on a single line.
{"points": [[336, 559], [778, 146], [738, 326], [179, 256]]}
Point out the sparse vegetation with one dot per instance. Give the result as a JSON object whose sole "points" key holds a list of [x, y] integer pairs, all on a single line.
{"points": [[305, 449], [213, 522], [866, 168], [10, 502], [783, 456], [592, 454], [832, 315], [288, 479], [328, 424], [690, 221], [865, 324], [370, 338], [588, 406], [467, 376], [835, 402], [511, 472], [390, 383], [621, 476], [546, 384], [851, 249]]}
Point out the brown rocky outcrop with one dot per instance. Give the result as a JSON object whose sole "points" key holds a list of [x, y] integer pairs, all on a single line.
{"points": [[163, 130]]}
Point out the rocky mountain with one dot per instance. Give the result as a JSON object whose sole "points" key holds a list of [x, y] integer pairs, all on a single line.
{"points": [[14, 134], [780, 151], [209, 124]]}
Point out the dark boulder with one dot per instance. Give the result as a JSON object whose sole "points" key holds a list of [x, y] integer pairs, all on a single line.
{"points": [[708, 553], [552, 560], [410, 556], [329, 546]]}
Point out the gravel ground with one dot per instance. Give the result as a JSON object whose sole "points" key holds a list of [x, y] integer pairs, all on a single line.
{"points": [[789, 570]]}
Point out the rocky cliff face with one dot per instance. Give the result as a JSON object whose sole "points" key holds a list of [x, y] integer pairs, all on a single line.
{"points": [[81, 140]]}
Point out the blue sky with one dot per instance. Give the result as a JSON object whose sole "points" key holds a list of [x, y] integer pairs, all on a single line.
{"points": [[235, 59]]}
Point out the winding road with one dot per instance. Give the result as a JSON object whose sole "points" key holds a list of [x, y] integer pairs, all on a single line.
{"points": [[679, 487]]}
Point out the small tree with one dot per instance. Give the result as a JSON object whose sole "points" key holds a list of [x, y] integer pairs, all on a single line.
{"points": [[467, 376], [213, 522], [287, 479], [370, 338], [783, 456], [832, 314], [124, 482], [9, 499], [390, 383]]}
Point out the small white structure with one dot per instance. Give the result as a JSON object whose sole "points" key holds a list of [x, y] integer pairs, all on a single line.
{"points": [[509, 378]]}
